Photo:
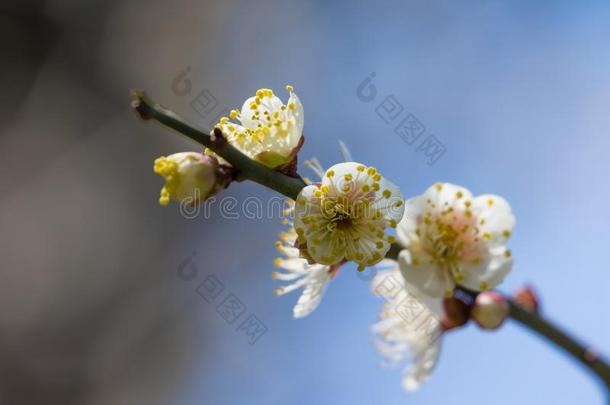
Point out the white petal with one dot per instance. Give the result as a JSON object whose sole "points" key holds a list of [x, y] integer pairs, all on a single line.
{"points": [[391, 286], [308, 205], [289, 250], [230, 129], [414, 209], [387, 284], [445, 195], [294, 265], [305, 205], [340, 170], [422, 366], [291, 287], [433, 304], [425, 278], [269, 104], [312, 295], [490, 272], [393, 207], [495, 216], [401, 337], [298, 113], [285, 276]]}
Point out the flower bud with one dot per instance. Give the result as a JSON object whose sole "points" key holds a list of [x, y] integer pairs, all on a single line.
{"points": [[190, 177], [457, 312], [490, 309], [527, 298]]}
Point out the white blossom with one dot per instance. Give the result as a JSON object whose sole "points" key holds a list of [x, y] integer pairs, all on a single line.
{"points": [[268, 131], [451, 238], [313, 278], [408, 330], [344, 217]]}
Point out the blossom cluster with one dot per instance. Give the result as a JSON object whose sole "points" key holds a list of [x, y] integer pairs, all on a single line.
{"points": [[449, 242], [442, 251], [267, 130]]}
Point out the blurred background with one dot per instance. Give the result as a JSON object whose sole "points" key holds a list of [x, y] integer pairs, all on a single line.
{"points": [[96, 306]]}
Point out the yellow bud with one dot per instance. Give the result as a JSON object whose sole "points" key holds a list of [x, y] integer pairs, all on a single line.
{"points": [[190, 177]]}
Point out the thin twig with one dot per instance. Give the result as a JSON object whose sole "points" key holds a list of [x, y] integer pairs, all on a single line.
{"points": [[247, 168], [586, 356]]}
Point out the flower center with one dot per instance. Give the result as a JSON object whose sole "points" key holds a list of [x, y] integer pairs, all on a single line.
{"points": [[343, 222], [342, 214], [447, 245], [450, 239]]}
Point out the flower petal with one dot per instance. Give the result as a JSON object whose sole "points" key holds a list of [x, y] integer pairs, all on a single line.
{"points": [[335, 175], [426, 278], [390, 202], [391, 286], [444, 195], [297, 112], [414, 208], [267, 105], [313, 278], [490, 272], [422, 366], [401, 335], [495, 216], [312, 294]]}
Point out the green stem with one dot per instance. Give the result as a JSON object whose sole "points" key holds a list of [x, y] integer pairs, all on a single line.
{"points": [[249, 169], [578, 350]]}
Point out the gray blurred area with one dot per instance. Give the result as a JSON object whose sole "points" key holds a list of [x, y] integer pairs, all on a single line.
{"points": [[88, 307]]}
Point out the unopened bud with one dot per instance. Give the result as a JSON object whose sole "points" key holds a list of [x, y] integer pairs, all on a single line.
{"points": [[456, 311], [189, 176], [527, 299], [490, 309]]}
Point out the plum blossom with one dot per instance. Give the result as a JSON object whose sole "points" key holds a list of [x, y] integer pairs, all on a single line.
{"points": [[408, 330], [451, 238], [268, 130], [344, 217], [312, 277]]}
